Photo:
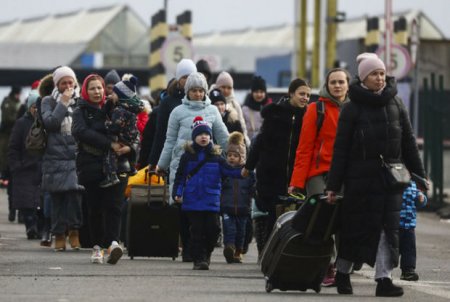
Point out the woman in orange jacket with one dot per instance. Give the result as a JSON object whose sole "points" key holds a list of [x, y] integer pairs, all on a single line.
{"points": [[315, 148]]}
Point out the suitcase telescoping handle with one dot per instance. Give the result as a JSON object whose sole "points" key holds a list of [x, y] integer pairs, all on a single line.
{"points": [[323, 199], [148, 181]]}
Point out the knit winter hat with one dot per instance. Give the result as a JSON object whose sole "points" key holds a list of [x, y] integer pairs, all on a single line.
{"points": [[61, 72], [195, 80], [200, 126], [126, 89], [216, 95], [258, 83], [368, 62], [203, 67], [32, 98], [224, 79], [112, 77], [236, 144], [185, 67]]}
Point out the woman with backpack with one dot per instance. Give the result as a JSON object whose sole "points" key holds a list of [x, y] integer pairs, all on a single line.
{"points": [[315, 149]]}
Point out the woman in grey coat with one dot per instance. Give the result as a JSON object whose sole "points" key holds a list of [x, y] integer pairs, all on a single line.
{"points": [[59, 175]]}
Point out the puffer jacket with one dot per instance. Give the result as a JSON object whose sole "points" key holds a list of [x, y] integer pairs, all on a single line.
{"points": [[315, 149], [272, 152], [369, 125], [201, 192], [59, 173], [237, 194], [179, 131], [25, 167], [91, 135]]}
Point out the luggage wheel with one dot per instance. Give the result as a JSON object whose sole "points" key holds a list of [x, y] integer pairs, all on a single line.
{"points": [[173, 258], [131, 257], [269, 286]]}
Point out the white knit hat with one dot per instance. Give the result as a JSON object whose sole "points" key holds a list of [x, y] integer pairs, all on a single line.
{"points": [[185, 67], [61, 72]]}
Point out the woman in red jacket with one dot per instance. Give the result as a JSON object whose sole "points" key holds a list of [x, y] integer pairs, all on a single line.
{"points": [[315, 148]]}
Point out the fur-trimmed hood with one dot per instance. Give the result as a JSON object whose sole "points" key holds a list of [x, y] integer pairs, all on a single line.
{"points": [[46, 86], [215, 150]]}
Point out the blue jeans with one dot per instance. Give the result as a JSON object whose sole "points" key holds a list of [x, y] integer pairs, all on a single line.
{"points": [[407, 245], [234, 230]]}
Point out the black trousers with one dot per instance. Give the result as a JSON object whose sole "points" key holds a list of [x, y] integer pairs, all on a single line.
{"points": [[104, 211], [407, 245], [204, 229]]}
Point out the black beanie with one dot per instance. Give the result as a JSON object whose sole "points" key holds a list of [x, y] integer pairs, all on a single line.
{"points": [[216, 96], [203, 67], [258, 83]]}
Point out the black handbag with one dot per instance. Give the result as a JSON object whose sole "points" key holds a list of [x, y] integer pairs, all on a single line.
{"points": [[396, 175], [36, 139]]}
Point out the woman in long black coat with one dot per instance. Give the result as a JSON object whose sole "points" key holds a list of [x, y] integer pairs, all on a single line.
{"points": [[25, 170], [374, 122]]}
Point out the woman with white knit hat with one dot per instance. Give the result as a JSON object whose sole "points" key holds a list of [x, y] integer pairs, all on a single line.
{"points": [[374, 126], [59, 175]]}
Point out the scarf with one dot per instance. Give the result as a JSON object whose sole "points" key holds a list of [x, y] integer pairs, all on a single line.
{"points": [[66, 124]]}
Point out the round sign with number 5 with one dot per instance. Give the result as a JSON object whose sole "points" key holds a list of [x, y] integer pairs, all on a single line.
{"points": [[400, 60], [174, 49]]}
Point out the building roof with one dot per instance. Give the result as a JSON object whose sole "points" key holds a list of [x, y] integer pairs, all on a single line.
{"points": [[238, 49], [52, 40], [282, 35]]}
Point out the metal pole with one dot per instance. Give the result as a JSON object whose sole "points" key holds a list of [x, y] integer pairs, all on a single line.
{"points": [[415, 40], [315, 68], [388, 35], [301, 72], [331, 33]]}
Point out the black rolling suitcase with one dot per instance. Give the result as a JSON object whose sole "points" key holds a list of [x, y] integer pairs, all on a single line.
{"points": [[153, 226], [293, 260]]}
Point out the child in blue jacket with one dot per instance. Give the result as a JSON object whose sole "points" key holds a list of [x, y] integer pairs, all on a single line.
{"points": [[236, 201], [412, 196], [197, 186]]}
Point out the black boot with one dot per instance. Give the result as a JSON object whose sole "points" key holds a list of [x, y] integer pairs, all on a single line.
{"points": [[385, 288], [344, 286]]}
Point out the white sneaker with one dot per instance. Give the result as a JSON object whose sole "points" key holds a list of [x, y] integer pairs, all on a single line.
{"points": [[114, 253], [97, 255]]}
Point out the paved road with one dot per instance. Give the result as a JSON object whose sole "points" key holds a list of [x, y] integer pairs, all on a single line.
{"points": [[32, 273]]}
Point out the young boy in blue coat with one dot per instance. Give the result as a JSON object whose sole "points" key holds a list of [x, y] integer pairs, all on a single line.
{"points": [[235, 201], [197, 186], [412, 197]]}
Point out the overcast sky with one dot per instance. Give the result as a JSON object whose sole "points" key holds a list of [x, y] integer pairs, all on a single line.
{"points": [[211, 15]]}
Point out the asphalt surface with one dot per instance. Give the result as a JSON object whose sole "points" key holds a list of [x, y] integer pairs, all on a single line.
{"points": [[29, 272]]}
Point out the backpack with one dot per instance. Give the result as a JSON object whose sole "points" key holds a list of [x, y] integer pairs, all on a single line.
{"points": [[36, 139], [320, 107]]}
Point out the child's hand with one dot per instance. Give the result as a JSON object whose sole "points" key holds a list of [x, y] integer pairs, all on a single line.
{"points": [[244, 172], [177, 199], [421, 197]]}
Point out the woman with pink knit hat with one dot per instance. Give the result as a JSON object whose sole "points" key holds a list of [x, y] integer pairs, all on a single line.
{"points": [[374, 126], [224, 83]]}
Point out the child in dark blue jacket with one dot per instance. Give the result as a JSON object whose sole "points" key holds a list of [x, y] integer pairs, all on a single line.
{"points": [[197, 186], [236, 201], [412, 197]]}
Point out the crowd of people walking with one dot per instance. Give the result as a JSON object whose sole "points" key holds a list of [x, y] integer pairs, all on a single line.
{"points": [[228, 166]]}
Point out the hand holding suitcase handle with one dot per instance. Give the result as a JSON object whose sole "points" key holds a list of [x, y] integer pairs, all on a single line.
{"points": [[331, 197]]}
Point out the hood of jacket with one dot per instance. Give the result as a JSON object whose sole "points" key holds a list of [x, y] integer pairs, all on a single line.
{"points": [[324, 93], [361, 95], [46, 86]]}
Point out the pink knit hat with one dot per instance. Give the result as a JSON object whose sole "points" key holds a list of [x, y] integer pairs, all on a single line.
{"points": [[368, 62], [224, 79]]}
